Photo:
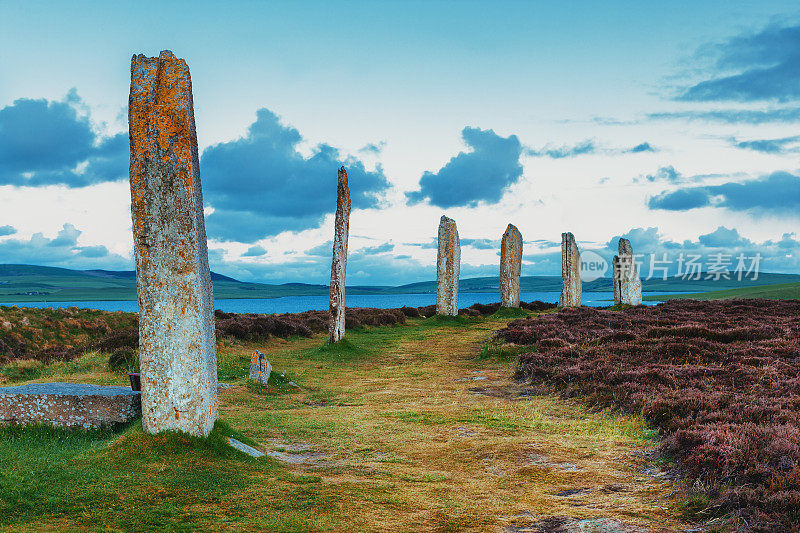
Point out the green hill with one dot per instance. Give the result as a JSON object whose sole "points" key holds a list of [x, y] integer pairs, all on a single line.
{"points": [[782, 291], [30, 283], [553, 284]]}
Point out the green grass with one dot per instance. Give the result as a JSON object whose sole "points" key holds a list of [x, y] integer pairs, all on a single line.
{"points": [[495, 348], [783, 291], [88, 364], [78, 474], [344, 350], [510, 312]]}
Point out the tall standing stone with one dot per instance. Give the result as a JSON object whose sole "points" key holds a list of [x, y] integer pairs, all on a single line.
{"points": [[510, 266], [339, 263], [570, 272], [627, 284], [448, 264], [177, 347]]}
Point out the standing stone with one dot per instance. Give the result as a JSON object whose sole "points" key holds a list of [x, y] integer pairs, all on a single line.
{"points": [[177, 347], [510, 266], [341, 231], [627, 284], [448, 264], [260, 369], [570, 272], [615, 279]]}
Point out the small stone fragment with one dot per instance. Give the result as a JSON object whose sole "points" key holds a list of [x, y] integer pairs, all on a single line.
{"points": [[339, 262], [176, 322], [510, 266], [448, 264], [242, 447], [627, 284], [260, 369], [570, 272]]}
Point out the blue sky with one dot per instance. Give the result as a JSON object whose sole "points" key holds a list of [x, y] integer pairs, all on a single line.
{"points": [[676, 124]]}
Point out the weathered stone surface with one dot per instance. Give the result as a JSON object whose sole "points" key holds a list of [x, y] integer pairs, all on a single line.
{"points": [[176, 302], [341, 232], [448, 265], [570, 272], [510, 266], [260, 369], [68, 405], [627, 284]]}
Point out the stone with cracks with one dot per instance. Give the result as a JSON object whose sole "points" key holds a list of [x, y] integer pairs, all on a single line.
{"points": [[570, 272], [339, 263], [510, 266], [627, 284], [260, 369], [448, 264], [177, 347]]}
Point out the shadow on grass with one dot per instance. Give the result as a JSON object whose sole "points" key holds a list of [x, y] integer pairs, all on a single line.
{"points": [[277, 384], [343, 351]]}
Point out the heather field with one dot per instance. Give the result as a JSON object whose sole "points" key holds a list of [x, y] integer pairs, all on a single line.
{"points": [[31, 338], [720, 381]]}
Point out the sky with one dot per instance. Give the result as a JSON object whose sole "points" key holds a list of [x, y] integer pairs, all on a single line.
{"points": [[675, 125]]}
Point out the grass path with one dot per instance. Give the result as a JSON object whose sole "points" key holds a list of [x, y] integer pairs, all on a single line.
{"points": [[398, 429]]}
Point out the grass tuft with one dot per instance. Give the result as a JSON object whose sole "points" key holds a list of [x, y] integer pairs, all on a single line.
{"points": [[342, 351], [510, 312]]}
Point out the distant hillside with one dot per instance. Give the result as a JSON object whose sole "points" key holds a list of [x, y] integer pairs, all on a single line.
{"points": [[28, 283], [131, 274], [782, 291]]}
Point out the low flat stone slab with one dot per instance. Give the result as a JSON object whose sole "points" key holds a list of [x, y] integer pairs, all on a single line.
{"points": [[69, 404]]}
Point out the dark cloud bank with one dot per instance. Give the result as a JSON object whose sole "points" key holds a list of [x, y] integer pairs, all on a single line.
{"points": [[777, 193], [750, 67], [260, 185], [481, 175], [50, 143]]}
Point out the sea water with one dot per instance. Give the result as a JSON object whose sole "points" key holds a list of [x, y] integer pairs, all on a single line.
{"points": [[296, 304]]}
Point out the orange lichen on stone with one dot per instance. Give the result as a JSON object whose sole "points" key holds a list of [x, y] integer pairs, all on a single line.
{"points": [[177, 344], [260, 369], [448, 265], [510, 267]]}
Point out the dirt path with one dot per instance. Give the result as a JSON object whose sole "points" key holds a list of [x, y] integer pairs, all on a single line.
{"points": [[420, 435]]}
